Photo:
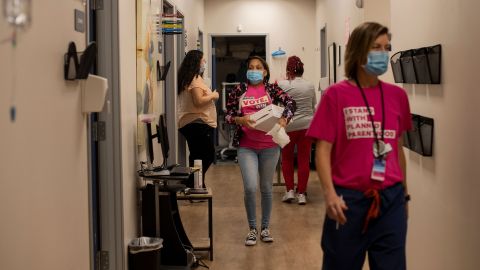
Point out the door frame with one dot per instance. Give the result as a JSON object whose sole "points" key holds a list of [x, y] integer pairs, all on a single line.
{"points": [[211, 53], [110, 149], [92, 152]]}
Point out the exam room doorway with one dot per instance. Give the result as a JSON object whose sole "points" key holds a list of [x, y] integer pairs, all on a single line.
{"points": [[229, 54]]}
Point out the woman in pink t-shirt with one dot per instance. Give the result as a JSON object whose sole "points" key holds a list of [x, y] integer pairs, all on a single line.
{"points": [[257, 153], [360, 161]]}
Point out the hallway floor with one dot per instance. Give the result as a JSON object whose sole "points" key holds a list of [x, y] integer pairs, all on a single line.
{"points": [[295, 228]]}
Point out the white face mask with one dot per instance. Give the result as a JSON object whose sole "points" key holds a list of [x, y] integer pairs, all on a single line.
{"points": [[203, 67]]}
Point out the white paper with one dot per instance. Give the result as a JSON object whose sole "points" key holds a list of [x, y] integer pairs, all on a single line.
{"points": [[279, 135]]}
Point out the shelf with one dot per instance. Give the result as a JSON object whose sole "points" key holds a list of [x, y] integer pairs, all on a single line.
{"points": [[201, 244], [183, 196]]}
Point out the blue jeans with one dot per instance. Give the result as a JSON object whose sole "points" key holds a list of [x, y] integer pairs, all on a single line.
{"points": [[255, 163]]}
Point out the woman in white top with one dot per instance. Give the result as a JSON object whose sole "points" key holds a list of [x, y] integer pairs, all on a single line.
{"points": [[197, 115], [303, 92]]}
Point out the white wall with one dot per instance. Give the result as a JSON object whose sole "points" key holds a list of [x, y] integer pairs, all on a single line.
{"points": [[128, 105], [444, 218], [378, 11], [339, 17], [43, 161], [288, 24], [194, 19]]}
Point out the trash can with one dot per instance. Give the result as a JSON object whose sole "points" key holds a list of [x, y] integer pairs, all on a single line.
{"points": [[144, 253]]}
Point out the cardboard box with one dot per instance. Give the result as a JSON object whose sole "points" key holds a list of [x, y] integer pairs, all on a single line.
{"points": [[267, 117]]}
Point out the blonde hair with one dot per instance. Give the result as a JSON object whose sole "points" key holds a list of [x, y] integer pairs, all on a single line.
{"points": [[359, 44]]}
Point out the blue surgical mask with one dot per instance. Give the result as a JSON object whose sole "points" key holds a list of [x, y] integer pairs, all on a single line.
{"points": [[377, 63], [255, 76], [203, 67]]}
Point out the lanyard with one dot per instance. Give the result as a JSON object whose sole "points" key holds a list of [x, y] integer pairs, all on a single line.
{"points": [[370, 113]]}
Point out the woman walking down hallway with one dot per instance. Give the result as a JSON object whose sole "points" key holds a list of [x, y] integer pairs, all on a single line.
{"points": [[257, 153], [360, 161], [197, 114], [303, 92]]}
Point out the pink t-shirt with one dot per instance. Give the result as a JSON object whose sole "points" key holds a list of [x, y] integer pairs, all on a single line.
{"points": [[342, 119], [255, 99]]}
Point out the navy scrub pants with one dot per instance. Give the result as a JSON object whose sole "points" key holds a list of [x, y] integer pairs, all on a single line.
{"points": [[384, 240]]}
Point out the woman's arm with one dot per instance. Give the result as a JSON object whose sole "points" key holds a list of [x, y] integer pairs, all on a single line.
{"points": [[334, 204], [282, 122], [233, 103], [280, 96], [403, 166], [200, 98]]}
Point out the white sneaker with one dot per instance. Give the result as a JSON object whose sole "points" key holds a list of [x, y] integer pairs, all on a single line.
{"points": [[289, 196], [302, 199], [251, 239], [265, 235]]}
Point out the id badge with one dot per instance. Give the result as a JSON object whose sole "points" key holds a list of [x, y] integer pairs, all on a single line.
{"points": [[382, 150], [378, 170]]}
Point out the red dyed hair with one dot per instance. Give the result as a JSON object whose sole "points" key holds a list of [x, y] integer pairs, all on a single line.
{"points": [[294, 67]]}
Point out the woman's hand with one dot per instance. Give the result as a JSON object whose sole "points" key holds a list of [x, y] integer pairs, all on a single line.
{"points": [[245, 121], [214, 95], [202, 98], [335, 207], [282, 122]]}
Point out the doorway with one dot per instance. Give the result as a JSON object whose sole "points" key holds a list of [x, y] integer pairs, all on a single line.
{"points": [[229, 67]]}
